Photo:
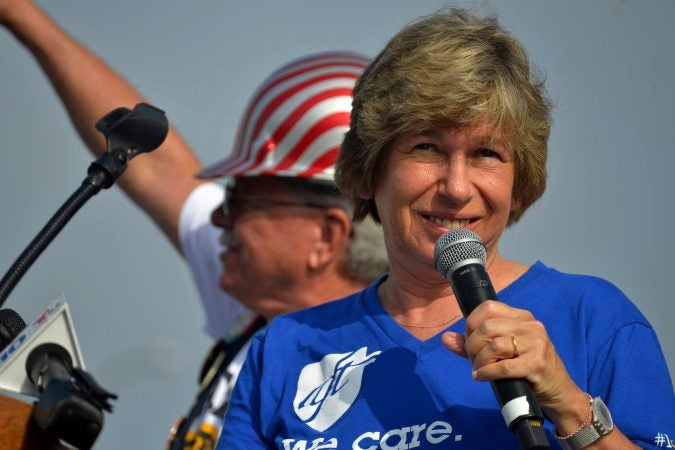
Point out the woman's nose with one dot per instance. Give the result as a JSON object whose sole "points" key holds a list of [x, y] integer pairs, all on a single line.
{"points": [[456, 181]]}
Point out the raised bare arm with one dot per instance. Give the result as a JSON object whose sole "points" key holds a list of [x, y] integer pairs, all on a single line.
{"points": [[159, 181]]}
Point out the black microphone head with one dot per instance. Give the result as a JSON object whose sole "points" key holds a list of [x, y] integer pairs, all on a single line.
{"points": [[11, 324], [46, 361], [457, 248]]}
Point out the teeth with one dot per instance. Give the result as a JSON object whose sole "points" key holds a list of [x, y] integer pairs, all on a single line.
{"points": [[449, 223]]}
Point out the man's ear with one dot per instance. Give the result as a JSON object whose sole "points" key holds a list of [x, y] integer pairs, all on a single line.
{"points": [[336, 229], [365, 194]]}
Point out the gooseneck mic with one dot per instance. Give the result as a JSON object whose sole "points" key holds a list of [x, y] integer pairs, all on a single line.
{"points": [[460, 257], [128, 133]]}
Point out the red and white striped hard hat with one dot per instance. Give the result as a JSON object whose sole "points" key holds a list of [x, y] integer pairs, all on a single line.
{"points": [[294, 123]]}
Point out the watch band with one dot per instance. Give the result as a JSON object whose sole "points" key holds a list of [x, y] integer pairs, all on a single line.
{"points": [[581, 439], [600, 425]]}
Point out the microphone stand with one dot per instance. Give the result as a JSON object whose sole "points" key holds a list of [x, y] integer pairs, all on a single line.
{"points": [[69, 407], [128, 133]]}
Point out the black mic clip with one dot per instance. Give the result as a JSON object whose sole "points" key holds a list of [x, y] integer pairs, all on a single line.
{"points": [[71, 402], [128, 133]]}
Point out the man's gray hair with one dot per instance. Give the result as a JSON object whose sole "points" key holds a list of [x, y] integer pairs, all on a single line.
{"points": [[367, 259]]}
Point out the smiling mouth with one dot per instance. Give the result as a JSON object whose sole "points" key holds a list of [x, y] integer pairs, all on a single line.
{"points": [[450, 224]]}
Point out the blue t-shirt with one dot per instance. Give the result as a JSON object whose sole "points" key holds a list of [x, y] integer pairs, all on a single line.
{"points": [[346, 375]]}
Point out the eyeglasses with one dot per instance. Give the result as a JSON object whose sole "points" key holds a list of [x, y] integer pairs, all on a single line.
{"points": [[235, 204]]}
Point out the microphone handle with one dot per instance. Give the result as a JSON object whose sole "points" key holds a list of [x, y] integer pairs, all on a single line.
{"points": [[517, 401]]}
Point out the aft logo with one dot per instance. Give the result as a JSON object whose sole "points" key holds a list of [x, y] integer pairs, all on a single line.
{"points": [[328, 388]]}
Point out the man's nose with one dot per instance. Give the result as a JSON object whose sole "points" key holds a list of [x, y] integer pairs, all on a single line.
{"points": [[220, 219]]}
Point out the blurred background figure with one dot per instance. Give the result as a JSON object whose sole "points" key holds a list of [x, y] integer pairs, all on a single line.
{"points": [[288, 236]]}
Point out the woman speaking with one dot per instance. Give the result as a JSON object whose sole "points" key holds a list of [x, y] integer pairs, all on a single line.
{"points": [[449, 129]]}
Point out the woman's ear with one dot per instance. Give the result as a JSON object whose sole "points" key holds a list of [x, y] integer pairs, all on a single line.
{"points": [[515, 204], [336, 229]]}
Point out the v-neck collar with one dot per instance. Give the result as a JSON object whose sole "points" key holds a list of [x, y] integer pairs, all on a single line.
{"points": [[402, 338]]}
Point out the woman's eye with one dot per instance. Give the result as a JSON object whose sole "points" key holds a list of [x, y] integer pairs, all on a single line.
{"points": [[488, 153], [425, 147]]}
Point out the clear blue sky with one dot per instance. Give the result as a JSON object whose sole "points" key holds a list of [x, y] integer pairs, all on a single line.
{"points": [[608, 209]]}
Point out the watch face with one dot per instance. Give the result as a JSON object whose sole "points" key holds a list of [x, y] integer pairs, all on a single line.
{"points": [[601, 414]]}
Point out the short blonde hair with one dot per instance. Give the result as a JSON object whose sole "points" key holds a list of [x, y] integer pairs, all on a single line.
{"points": [[453, 67]]}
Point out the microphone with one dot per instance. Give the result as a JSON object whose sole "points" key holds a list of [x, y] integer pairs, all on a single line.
{"points": [[71, 402], [44, 361], [11, 324], [53, 324], [460, 255]]}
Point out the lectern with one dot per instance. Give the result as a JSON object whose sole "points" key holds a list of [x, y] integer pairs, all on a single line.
{"points": [[18, 431]]}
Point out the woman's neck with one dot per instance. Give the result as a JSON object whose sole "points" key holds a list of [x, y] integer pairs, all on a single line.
{"points": [[426, 307]]}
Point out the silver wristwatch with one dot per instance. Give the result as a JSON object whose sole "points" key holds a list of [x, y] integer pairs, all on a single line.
{"points": [[601, 425]]}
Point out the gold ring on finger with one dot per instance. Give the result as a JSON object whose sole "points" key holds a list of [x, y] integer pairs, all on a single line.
{"points": [[515, 346]]}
